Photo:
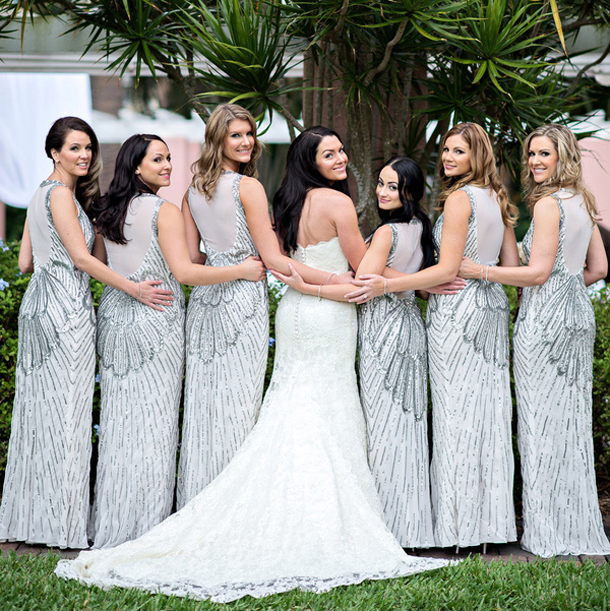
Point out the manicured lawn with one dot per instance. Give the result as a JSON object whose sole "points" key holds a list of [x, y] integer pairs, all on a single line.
{"points": [[27, 583]]}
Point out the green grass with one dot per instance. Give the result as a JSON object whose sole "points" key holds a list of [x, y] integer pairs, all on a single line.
{"points": [[27, 583]]}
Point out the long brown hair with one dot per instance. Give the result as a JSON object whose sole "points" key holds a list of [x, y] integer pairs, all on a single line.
{"points": [[568, 174], [88, 186], [483, 172], [206, 170]]}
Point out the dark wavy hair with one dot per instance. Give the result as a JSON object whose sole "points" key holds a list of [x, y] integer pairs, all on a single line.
{"points": [[302, 175], [110, 212], [88, 186], [411, 189]]}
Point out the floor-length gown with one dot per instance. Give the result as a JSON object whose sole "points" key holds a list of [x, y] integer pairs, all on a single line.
{"points": [[46, 489], [392, 359], [141, 361], [297, 506], [553, 360], [227, 339], [472, 459]]}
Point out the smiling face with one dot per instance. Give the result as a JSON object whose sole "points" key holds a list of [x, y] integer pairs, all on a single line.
{"points": [[455, 156], [331, 159], [155, 169], [237, 145], [388, 196], [542, 158], [74, 158]]}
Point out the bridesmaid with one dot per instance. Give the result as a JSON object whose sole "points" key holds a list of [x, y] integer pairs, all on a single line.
{"points": [[140, 350], [227, 325], [553, 349], [46, 489], [472, 461], [392, 357]]}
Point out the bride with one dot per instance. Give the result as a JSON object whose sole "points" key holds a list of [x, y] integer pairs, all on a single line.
{"points": [[297, 505]]}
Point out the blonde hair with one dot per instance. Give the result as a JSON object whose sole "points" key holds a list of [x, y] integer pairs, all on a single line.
{"points": [[568, 173], [483, 172], [206, 170]]}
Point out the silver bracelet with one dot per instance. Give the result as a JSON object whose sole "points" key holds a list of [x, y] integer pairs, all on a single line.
{"points": [[319, 289]]}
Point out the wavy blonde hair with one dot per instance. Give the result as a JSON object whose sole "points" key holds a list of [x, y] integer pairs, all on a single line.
{"points": [[207, 169], [568, 174], [483, 172]]}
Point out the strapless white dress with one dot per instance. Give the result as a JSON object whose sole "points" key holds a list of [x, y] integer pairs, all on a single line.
{"points": [[297, 505]]}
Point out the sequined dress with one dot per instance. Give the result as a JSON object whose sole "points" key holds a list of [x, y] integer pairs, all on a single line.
{"points": [[553, 359], [46, 489], [227, 339], [297, 506], [392, 357], [472, 460], [141, 362]]}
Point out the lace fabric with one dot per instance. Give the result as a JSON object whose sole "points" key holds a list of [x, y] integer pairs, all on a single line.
{"points": [[297, 506]]}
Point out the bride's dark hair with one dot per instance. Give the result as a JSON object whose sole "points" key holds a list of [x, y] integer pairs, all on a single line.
{"points": [[110, 211], [302, 175], [411, 189]]}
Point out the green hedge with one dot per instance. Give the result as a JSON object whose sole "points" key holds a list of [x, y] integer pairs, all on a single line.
{"points": [[13, 285]]}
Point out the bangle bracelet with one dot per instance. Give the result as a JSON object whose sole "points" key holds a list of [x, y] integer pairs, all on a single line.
{"points": [[486, 273], [140, 287], [482, 268], [319, 289], [329, 277], [385, 286]]}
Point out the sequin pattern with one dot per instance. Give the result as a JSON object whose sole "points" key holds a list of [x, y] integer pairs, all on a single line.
{"points": [[141, 356], [553, 357], [472, 460], [392, 359], [46, 490], [227, 338]]}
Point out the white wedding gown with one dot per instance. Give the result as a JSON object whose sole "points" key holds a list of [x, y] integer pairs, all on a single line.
{"points": [[297, 505]]}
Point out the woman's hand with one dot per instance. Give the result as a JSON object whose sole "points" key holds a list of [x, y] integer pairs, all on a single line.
{"points": [[293, 280], [150, 295], [345, 278], [371, 285], [449, 288], [252, 269], [469, 269]]}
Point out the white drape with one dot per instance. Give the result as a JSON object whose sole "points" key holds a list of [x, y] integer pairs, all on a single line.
{"points": [[29, 104]]}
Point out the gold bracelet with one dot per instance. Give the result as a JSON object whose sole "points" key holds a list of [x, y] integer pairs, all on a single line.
{"points": [[385, 286], [319, 289]]}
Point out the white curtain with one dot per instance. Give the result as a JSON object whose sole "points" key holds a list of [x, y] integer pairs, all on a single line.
{"points": [[29, 104]]}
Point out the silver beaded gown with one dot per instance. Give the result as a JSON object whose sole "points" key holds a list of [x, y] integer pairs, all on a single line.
{"points": [[46, 489], [392, 357], [553, 360], [472, 459], [141, 362], [227, 339], [297, 505]]}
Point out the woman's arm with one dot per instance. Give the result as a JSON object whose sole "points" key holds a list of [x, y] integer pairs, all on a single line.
{"points": [[26, 255], [254, 201], [596, 263], [193, 238], [545, 243], [373, 261], [453, 241], [65, 219], [173, 242]]}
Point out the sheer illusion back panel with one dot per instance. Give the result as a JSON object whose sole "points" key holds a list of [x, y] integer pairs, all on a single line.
{"points": [[126, 259], [578, 231], [215, 218], [490, 229], [38, 224]]}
